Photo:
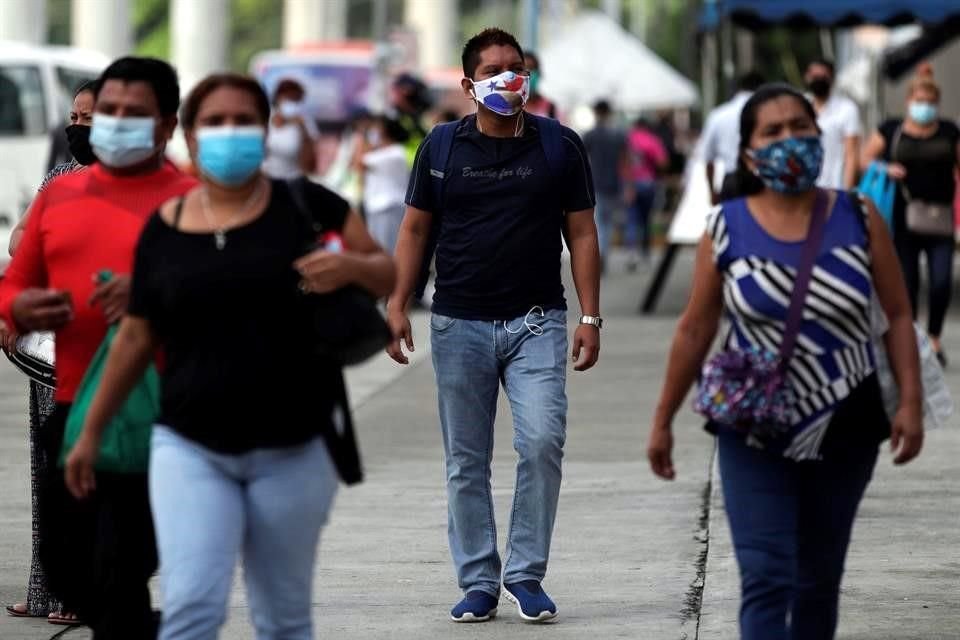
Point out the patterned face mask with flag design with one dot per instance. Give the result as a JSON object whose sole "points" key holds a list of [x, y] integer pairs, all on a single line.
{"points": [[791, 165], [504, 94]]}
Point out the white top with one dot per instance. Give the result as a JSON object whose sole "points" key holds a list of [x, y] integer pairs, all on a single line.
{"points": [[721, 133], [839, 119], [385, 181], [283, 149]]}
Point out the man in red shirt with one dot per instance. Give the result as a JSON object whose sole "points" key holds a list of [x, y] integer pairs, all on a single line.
{"points": [[98, 554]]}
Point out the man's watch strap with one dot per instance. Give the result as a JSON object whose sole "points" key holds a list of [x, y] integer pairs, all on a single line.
{"points": [[596, 321]]}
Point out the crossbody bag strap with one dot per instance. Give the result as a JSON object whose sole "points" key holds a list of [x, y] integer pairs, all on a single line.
{"points": [[894, 147], [808, 258]]}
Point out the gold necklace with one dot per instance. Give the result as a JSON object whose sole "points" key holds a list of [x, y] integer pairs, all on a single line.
{"points": [[220, 232]]}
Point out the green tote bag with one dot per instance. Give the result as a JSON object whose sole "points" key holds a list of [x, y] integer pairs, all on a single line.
{"points": [[125, 446]]}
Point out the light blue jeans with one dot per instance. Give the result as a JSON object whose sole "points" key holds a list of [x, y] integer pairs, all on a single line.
{"points": [[471, 359], [208, 508]]}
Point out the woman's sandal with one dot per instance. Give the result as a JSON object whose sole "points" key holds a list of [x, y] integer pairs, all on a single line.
{"points": [[64, 619], [20, 610]]}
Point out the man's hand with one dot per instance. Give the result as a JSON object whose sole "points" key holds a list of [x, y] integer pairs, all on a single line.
{"points": [[42, 310], [906, 436], [113, 297], [324, 271], [79, 469], [586, 347], [399, 323], [8, 338]]}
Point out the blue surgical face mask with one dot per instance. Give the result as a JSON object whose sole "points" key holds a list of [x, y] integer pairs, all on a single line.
{"points": [[923, 112], [122, 142], [789, 166], [229, 155]]}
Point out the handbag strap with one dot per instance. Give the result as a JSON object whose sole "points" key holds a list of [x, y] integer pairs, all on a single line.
{"points": [[808, 257], [894, 147]]}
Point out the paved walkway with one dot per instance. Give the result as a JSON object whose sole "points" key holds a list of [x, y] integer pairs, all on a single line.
{"points": [[629, 551]]}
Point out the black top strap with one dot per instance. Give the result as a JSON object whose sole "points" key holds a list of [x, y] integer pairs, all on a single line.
{"points": [[178, 212]]}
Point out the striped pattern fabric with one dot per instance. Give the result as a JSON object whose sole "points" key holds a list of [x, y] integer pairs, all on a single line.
{"points": [[833, 353]]}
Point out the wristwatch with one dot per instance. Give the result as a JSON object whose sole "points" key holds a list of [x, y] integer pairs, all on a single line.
{"points": [[594, 320]]}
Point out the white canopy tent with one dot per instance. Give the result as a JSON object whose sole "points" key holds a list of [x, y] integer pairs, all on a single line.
{"points": [[593, 58]]}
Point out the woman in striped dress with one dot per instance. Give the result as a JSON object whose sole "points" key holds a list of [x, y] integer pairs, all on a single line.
{"points": [[791, 502], [39, 601]]}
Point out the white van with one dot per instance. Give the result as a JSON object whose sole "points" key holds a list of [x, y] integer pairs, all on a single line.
{"points": [[36, 93]]}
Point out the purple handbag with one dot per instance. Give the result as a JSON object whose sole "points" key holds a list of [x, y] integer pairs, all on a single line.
{"points": [[747, 389]]}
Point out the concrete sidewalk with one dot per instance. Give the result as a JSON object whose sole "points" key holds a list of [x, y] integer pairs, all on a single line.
{"points": [[629, 551]]}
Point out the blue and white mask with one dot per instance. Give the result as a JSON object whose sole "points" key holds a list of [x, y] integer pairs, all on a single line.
{"points": [[923, 113], [789, 166], [122, 142], [230, 155]]}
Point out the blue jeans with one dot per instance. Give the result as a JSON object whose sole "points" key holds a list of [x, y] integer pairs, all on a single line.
{"points": [[603, 214], [791, 524], [471, 360], [637, 234], [939, 252], [208, 509]]}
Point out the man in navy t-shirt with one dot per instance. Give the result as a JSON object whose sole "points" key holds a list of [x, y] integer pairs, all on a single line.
{"points": [[499, 315]]}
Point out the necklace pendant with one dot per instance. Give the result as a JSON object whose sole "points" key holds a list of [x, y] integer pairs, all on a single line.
{"points": [[220, 239]]}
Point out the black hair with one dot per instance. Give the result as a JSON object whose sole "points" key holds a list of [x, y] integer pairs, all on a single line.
{"points": [[747, 183], [394, 130], [86, 85], [161, 77], [529, 55], [191, 106], [602, 108], [823, 62], [751, 81], [288, 86], [486, 38]]}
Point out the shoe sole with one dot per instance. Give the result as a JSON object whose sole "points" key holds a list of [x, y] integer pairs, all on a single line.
{"points": [[469, 617], [543, 617]]}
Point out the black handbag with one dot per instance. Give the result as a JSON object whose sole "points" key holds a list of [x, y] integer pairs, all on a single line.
{"points": [[348, 328]]}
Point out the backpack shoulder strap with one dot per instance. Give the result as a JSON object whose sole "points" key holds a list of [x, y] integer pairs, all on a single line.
{"points": [[551, 139], [438, 152]]}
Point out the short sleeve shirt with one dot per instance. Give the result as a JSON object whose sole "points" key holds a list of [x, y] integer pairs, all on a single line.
{"points": [[502, 213], [838, 120]]}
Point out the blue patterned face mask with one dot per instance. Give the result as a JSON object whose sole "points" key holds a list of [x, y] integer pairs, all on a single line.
{"points": [[789, 166]]}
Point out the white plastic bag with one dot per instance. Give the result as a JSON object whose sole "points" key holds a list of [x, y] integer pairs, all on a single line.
{"points": [[937, 401]]}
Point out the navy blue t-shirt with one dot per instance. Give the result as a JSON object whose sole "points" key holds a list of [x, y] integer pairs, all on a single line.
{"points": [[502, 214]]}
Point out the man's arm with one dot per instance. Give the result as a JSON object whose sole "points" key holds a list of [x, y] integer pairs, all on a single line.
{"points": [[585, 263], [408, 256]]}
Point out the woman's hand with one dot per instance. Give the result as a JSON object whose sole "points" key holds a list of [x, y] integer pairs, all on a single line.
{"points": [[324, 271], [906, 436], [896, 171], [113, 297], [79, 469], [660, 450]]}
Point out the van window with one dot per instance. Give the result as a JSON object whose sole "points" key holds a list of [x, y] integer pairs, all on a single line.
{"points": [[22, 107], [67, 82]]}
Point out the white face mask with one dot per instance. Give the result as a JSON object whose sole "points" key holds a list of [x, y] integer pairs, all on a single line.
{"points": [[290, 109], [504, 94]]}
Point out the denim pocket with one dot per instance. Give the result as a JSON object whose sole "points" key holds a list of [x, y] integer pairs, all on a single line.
{"points": [[441, 323]]}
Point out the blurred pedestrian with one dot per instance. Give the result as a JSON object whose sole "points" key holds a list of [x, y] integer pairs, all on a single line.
{"points": [[238, 462], [39, 600], [499, 314], [409, 101], [839, 119], [536, 103], [606, 146], [921, 153], [383, 165], [292, 134], [646, 157], [98, 553], [792, 488], [720, 141]]}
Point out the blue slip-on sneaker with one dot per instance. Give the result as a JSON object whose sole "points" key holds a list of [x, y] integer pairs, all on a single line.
{"points": [[476, 606], [532, 602]]}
